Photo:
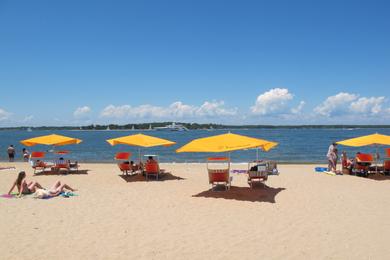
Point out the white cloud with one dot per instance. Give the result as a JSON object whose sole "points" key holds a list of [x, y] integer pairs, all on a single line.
{"points": [[372, 105], [28, 118], [82, 112], [4, 115], [178, 109], [173, 111], [271, 101], [347, 104], [215, 108], [113, 111], [336, 104], [298, 109]]}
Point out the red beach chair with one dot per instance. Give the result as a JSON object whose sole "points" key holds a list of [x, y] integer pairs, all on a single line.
{"points": [[386, 162], [362, 164], [37, 163], [124, 164], [219, 174]]}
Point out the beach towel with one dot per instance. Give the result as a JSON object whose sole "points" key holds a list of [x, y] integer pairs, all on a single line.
{"points": [[67, 194], [13, 195], [321, 169]]}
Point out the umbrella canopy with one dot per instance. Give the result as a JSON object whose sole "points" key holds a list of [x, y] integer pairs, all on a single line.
{"points": [[373, 139], [52, 139], [140, 140], [225, 143]]}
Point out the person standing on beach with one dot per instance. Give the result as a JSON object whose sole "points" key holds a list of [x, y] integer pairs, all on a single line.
{"points": [[332, 157], [26, 154], [11, 153]]}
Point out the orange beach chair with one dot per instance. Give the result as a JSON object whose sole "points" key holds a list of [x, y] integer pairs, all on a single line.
{"points": [[37, 162], [219, 175], [123, 164], [362, 164], [386, 162]]}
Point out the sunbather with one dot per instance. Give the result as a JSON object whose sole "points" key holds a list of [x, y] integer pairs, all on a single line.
{"points": [[54, 191], [59, 187], [24, 186]]}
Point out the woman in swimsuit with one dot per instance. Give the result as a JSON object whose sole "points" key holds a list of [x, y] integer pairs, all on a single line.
{"points": [[24, 187]]}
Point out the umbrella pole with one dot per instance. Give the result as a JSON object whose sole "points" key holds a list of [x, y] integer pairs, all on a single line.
{"points": [[376, 159], [257, 154]]}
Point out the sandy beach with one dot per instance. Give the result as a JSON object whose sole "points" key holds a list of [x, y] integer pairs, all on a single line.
{"points": [[299, 214]]}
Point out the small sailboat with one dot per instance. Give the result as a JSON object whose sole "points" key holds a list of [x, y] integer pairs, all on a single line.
{"points": [[29, 129], [108, 128], [132, 128]]}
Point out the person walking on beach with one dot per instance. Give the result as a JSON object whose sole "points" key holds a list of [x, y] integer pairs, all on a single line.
{"points": [[11, 153], [332, 157]]}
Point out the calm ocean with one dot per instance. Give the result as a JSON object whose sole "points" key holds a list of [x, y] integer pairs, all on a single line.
{"points": [[295, 145]]}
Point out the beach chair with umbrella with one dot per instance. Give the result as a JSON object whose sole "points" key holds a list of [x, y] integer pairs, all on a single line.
{"points": [[54, 140], [374, 140], [143, 141], [225, 143]]}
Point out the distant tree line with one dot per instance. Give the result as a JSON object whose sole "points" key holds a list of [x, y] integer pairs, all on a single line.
{"points": [[190, 126]]}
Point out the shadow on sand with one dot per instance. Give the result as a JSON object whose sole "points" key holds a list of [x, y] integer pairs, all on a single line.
{"points": [[50, 173], [379, 177], [140, 178], [259, 193]]}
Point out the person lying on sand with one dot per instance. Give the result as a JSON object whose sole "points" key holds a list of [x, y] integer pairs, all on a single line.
{"points": [[54, 191], [24, 186]]}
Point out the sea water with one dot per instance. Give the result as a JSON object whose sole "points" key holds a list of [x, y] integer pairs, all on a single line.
{"points": [[295, 145]]}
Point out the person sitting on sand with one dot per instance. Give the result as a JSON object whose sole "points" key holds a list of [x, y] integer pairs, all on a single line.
{"points": [[54, 191], [24, 187]]}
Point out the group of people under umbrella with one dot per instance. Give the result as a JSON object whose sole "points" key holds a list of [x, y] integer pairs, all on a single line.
{"points": [[223, 143]]}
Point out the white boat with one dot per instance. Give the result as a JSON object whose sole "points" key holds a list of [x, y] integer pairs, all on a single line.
{"points": [[172, 127], [29, 129], [108, 128]]}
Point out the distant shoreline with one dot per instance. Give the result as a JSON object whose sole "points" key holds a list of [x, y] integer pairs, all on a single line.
{"points": [[189, 126]]}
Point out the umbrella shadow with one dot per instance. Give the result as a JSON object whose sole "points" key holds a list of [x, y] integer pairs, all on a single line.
{"points": [[50, 173], [259, 193], [379, 177], [140, 178]]}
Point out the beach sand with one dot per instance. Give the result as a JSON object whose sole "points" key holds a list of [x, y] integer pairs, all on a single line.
{"points": [[299, 214]]}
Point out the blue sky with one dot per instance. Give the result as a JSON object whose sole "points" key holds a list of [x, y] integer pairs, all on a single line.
{"points": [[259, 62]]}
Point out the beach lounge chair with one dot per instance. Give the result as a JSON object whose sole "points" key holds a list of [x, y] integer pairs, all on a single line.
{"points": [[61, 164], [218, 174], [362, 164], [153, 169], [386, 162], [272, 168], [36, 159], [258, 172], [123, 164]]}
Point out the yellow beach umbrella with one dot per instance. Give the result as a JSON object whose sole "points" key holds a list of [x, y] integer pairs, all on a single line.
{"points": [[53, 139], [226, 143], [140, 140], [373, 139]]}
